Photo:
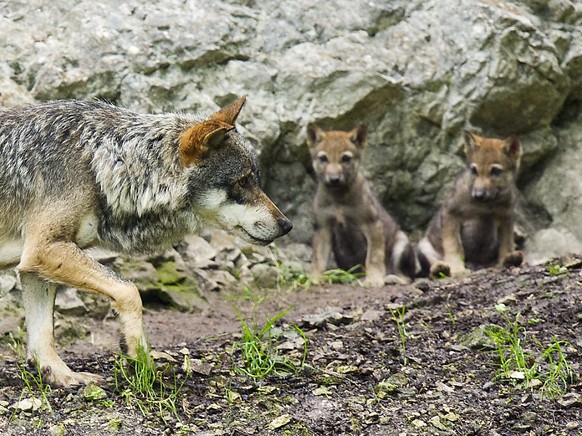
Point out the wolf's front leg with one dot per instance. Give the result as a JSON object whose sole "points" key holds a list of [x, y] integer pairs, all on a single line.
{"points": [[38, 297], [64, 262], [375, 266]]}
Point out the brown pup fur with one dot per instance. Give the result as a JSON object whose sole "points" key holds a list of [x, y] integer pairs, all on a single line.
{"points": [[350, 221], [474, 226]]}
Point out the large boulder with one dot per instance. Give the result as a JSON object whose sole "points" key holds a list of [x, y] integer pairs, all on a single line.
{"points": [[416, 71]]}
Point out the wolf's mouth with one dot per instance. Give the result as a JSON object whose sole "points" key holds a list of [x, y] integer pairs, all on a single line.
{"points": [[253, 239]]}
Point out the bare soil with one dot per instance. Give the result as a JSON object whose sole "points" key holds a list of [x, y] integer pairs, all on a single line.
{"points": [[359, 377]]}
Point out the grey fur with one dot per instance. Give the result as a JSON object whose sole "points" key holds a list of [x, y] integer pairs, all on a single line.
{"points": [[146, 199], [76, 174]]}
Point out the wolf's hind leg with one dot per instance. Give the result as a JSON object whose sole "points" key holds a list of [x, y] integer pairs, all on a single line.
{"points": [[38, 297]]}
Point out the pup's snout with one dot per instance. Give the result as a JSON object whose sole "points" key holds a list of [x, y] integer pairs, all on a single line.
{"points": [[334, 179], [285, 225], [479, 194]]}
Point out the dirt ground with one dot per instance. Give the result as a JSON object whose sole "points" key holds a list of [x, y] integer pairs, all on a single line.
{"points": [[365, 373]]}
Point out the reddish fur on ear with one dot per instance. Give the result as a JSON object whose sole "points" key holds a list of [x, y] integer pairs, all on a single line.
{"points": [[470, 142], [512, 147], [314, 134], [230, 113], [198, 139], [358, 135]]}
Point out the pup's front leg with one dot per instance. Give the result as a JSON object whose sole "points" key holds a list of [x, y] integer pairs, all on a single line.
{"points": [[321, 250], [64, 262], [507, 256], [452, 246], [375, 266]]}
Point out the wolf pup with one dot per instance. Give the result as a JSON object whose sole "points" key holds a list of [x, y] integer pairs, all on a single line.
{"points": [[474, 226], [349, 219], [77, 174]]}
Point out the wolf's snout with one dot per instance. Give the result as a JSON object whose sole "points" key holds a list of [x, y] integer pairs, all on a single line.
{"points": [[285, 225]]}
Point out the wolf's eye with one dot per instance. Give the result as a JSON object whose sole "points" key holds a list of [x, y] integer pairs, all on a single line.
{"points": [[346, 158], [245, 181], [322, 158], [496, 171], [474, 170]]}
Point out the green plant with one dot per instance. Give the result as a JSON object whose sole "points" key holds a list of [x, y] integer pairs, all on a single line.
{"points": [[288, 276], [153, 390], [551, 368], [258, 348], [344, 277], [398, 318], [34, 382], [554, 268], [294, 278]]}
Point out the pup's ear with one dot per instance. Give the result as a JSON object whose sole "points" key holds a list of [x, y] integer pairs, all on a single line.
{"points": [[229, 114], [470, 142], [198, 139], [358, 135], [314, 134], [513, 149]]}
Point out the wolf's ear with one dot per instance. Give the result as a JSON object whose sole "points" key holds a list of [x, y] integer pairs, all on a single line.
{"points": [[358, 135], [314, 134], [470, 142], [229, 114], [198, 139]]}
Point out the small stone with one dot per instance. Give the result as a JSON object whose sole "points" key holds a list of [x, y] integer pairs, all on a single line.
{"points": [[56, 430], [435, 421], [419, 423], [27, 404], [279, 422], [92, 392]]}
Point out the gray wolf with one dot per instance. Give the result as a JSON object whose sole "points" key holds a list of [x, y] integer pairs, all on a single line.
{"points": [[474, 226], [349, 220], [77, 174]]}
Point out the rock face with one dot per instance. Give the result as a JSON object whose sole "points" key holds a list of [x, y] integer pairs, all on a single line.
{"points": [[416, 71]]}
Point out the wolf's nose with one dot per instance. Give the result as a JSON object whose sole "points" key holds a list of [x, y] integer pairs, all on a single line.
{"points": [[285, 226]]}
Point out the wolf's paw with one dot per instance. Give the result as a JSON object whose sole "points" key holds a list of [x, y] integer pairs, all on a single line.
{"points": [[513, 258], [440, 270], [69, 378]]}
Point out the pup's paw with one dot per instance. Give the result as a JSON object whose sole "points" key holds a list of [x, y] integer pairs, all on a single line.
{"points": [[393, 279], [374, 281], [513, 258], [440, 270]]}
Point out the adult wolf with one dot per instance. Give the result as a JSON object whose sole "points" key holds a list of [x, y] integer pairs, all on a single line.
{"points": [[77, 174]]}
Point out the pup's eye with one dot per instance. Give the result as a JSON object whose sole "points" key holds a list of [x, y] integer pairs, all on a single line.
{"points": [[496, 171], [322, 158], [474, 170], [346, 158]]}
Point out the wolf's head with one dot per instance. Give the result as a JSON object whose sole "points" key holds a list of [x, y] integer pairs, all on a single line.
{"points": [[493, 164], [336, 155], [225, 179]]}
